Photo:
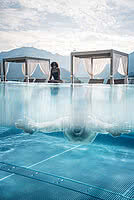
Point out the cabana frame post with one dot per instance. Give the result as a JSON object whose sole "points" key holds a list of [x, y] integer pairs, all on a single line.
{"points": [[111, 69], [126, 80], [26, 71], [92, 68], [72, 69], [4, 73]]}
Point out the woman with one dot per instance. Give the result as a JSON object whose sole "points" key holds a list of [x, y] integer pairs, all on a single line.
{"points": [[55, 73]]}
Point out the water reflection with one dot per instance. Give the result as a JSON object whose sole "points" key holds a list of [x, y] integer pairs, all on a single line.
{"points": [[47, 103], [54, 91]]}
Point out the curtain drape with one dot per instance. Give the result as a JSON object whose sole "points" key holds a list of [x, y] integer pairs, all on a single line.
{"points": [[87, 66], [6, 67], [23, 68], [98, 65], [76, 62], [32, 64], [123, 65], [31, 67], [123, 68], [116, 61], [45, 68]]}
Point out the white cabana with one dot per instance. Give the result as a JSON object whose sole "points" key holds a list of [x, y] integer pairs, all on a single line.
{"points": [[95, 62], [29, 65]]}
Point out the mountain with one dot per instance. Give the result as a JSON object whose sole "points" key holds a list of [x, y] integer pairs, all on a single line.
{"points": [[33, 52]]}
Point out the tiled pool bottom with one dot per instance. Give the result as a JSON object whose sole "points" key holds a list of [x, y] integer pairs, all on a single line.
{"points": [[51, 168]]}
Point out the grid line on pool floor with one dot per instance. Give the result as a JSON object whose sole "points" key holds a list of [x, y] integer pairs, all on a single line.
{"points": [[43, 161], [128, 190], [63, 182], [6, 177], [53, 156]]}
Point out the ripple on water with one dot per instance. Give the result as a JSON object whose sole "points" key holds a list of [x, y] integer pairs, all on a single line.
{"points": [[5, 148]]}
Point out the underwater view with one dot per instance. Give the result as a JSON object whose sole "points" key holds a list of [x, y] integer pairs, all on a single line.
{"points": [[59, 141], [66, 100]]}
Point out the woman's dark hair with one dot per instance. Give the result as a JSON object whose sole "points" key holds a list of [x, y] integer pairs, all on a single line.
{"points": [[54, 63]]}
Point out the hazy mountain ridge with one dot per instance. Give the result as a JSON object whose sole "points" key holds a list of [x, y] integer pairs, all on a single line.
{"points": [[33, 52]]}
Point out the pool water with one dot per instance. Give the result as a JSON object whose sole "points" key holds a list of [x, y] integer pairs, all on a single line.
{"points": [[46, 165]]}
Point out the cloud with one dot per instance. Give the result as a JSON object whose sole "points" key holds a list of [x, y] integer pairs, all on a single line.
{"points": [[123, 12], [21, 19], [87, 15], [64, 25], [64, 42], [129, 4], [9, 4]]}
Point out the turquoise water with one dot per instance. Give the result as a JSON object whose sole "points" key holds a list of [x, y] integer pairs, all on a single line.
{"points": [[67, 167]]}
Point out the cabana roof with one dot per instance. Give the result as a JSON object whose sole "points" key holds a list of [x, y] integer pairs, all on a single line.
{"points": [[23, 59], [98, 54]]}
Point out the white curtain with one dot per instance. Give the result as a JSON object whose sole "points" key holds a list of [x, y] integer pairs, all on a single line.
{"points": [[45, 68], [76, 62], [97, 67], [123, 68], [88, 67], [23, 69], [6, 67], [116, 62], [123, 65], [31, 65]]}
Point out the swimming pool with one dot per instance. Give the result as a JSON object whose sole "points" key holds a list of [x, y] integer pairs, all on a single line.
{"points": [[52, 165]]}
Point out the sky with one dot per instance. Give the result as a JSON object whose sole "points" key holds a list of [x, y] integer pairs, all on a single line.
{"points": [[62, 26]]}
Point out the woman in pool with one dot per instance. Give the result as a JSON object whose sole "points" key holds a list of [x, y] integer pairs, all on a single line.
{"points": [[55, 73]]}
